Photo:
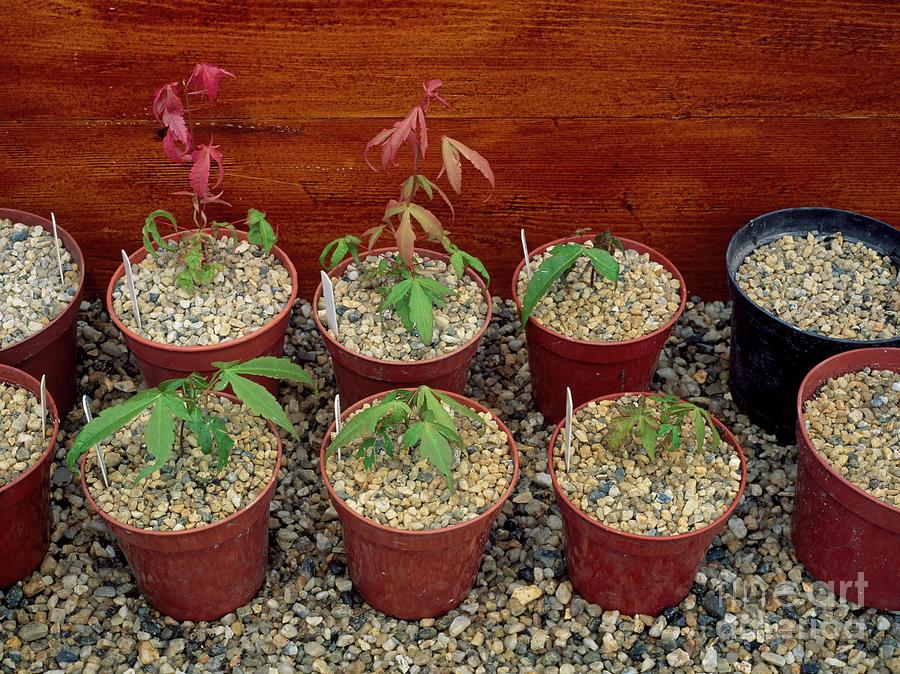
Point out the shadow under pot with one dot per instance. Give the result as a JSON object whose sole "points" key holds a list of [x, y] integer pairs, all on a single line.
{"points": [[846, 519], [634, 535], [596, 365], [442, 365], [420, 561], [24, 474], [783, 321], [50, 350], [160, 347], [196, 541]]}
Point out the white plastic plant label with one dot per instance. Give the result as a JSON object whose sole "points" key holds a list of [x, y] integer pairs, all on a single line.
{"points": [[337, 418], [567, 451], [101, 461], [44, 404], [330, 313], [129, 281], [62, 277], [525, 252]]}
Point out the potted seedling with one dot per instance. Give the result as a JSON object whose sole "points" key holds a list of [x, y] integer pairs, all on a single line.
{"points": [[206, 292], [41, 285], [647, 482], [417, 477], [846, 518], [191, 472], [806, 284], [27, 444], [405, 315], [596, 311]]}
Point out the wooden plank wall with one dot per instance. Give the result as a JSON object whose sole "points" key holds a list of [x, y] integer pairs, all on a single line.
{"points": [[671, 122]]}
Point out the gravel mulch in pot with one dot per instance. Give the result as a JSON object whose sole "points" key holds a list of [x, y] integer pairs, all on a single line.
{"points": [[825, 285], [22, 440], [249, 291], [854, 422], [31, 294], [187, 492], [380, 334], [644, 299], [681, 491], [750, 608], [406, 492]]}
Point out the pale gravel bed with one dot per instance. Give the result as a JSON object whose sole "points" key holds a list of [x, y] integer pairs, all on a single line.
{"points": [[251, 288], [31, 293], [644, 299], [22, 439]]}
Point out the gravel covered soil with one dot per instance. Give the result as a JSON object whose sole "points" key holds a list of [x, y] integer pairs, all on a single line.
{"points": [[751, 609], [251, 288], [31, 294], [22, 441], [825, 285], [682, 490], [380, 334], [644, 299], [187, 492], [854, 422], [404, 491]]}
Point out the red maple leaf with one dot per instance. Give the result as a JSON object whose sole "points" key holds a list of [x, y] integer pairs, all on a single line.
{"points": [[203, 158], [431, 94], [206, 79]]}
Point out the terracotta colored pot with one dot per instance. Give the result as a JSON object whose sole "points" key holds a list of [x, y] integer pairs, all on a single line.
{"points": [[25, 502], [203, 573], [50, 351], [843, 534], [770, 357], [590, 368], [628, 572], [159, 362], [415, 574], [360, 376]]}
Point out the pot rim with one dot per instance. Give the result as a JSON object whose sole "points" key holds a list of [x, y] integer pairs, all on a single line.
{"points": [[71, 245], [109, 519], [629, 244], [201, 348], [736, 287], [814, 373], [725, 434], [424, 252], [8, 375], [487, 515]]}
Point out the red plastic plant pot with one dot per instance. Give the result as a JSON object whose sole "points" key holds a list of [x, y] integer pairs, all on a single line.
{"points": [[360, 376], [25, 502], [159, 362], [415, 574], [633, 573], [202, 573], [844, 536], [590, 368], [50, 351]]}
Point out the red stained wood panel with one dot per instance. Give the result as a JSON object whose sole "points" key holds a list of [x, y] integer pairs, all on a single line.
{"points": [[682, 187]]}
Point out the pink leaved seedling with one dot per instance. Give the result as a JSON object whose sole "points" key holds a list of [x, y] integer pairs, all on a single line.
{"points": [[407, 291], [173, 106]]}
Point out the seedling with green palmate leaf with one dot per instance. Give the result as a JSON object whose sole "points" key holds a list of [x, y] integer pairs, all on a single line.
{"points": [[428, 427], [406, 290], [561, 261], [660, 426], [184, 402]]}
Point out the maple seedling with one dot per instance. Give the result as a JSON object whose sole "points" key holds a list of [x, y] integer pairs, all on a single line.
{"points": [[660, 426], [173, 107], [429, 427], [405, 290], [186, 401], [561, 261]]}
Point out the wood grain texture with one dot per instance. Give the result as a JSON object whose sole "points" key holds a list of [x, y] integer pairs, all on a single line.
{"points": [[669, 122]]}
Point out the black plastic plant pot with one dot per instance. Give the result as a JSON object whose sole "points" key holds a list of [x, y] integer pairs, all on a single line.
{"points": [[769, 357]]}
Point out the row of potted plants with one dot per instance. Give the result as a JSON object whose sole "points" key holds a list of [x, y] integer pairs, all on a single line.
{"points": [[596, 310]]}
